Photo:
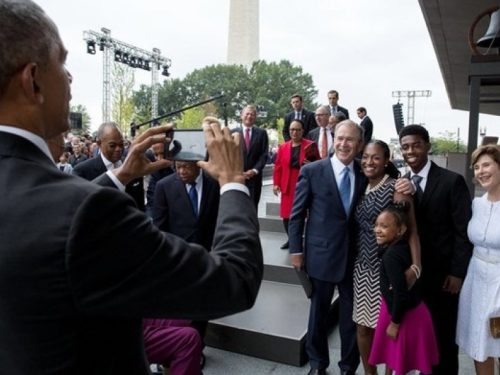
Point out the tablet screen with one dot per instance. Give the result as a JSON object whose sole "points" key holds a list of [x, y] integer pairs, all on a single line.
{"points": [[187, 145]]}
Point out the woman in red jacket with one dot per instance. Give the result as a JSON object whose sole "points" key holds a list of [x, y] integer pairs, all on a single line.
{"points": [[291, 156]]}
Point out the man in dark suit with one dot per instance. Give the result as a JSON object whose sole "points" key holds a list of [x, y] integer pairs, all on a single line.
{"points": [[111, 144], [366, 123], [322, 135], [93, 265], [328, 190], [300, 113], [173, 210], [442, 210], [77, 156], [333, 98], [186, 204], [157, 151], [255, 148]]}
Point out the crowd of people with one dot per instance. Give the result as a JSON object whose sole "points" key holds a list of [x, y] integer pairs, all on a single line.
{"points": [[96, 281]]}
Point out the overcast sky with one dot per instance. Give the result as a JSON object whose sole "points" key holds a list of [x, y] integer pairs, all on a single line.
{"points": [[363, 49]]}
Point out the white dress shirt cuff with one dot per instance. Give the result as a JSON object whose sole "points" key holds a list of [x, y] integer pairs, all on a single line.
{"points": [[116, 181], [234, 186]]}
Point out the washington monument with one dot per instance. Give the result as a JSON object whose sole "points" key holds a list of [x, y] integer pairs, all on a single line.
{"points": [[243, 42]]}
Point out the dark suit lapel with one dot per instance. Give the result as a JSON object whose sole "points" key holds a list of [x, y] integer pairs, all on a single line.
{"points": [[330, 180], [432, 183], [204, 195], [359, 185], [99, 166], [315, 136], [182, 191], [253, 138]]}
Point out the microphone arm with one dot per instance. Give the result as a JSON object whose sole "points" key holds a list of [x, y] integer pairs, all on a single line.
{"points": [[134, 127]]}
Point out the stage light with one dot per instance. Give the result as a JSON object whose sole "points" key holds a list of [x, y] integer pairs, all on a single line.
{"points": [[91, 47], [102, 44], [146, 65], [165, 71], [125, 58], [133, 62], [118, 56]]}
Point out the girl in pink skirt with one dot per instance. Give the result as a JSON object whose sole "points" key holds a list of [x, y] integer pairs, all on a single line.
{"points": [[404, 338]]}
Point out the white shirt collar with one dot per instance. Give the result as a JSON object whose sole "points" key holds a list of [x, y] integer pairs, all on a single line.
{"points": [[424, 172], [32, 137], [338, 166], [109, 165]]}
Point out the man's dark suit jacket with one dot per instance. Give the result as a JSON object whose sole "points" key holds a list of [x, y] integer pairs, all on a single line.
{"points": [[80, 267], [314, 136], [442, 217], [254, 158], [329, 243], [367, 124], [173, 213], [340, 109], [150, 191], [307, 118], [94, 167], [442, 220], [74, 161]]}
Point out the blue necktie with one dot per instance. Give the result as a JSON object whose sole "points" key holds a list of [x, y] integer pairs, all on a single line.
{"points": [[193, 197], [345, 189]]}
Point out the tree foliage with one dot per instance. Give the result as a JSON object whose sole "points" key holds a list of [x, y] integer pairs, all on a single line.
{"points": [[446, 143], [267, 84], [191, 119], [122, 104]]}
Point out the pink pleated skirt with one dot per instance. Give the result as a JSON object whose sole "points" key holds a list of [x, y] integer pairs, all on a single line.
{"points": [[415, 347]]}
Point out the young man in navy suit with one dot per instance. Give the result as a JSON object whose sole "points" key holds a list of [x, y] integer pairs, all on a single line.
{"points": [[328, 190], [299, 112], [333, 98]]}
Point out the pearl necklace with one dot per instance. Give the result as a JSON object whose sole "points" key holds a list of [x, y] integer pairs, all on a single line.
{"points": [[378, 186]]}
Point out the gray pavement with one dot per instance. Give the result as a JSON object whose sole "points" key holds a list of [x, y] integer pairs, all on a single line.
{"points": [[224, 362]]}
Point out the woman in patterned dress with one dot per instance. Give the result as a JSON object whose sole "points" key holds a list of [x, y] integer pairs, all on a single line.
{"points": [[379, 194]]}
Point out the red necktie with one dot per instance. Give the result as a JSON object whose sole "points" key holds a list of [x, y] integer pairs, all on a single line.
{"points": [[247, 138], [324, 145]]}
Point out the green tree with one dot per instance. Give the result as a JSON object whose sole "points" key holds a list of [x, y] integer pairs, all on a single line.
{"points": [[78, 108], [191, 119], [267, 84], [447, 142], [272, 85], [122, 105]]}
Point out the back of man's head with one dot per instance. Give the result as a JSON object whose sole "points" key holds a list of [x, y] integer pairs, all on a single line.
{"points": [[27, 35]]}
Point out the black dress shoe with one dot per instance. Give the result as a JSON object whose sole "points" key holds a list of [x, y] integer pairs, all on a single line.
{"points": [[285, 246], [348, 372], [317, 371]]}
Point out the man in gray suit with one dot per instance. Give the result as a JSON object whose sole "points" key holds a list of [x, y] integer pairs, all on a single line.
{"points": [[92, 264]]}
